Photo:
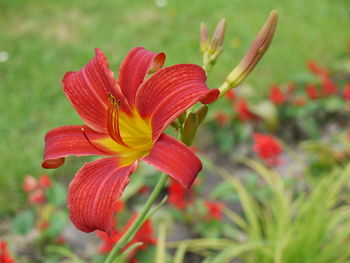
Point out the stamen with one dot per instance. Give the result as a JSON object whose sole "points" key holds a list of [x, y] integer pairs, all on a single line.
{"points": [[113, 120], [87, 138]]}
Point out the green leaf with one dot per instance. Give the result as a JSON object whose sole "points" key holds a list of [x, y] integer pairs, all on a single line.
{"points": [[146, 255], [226, 140], [210, 229], [225, 192], [57, 195], [23, 222], [57, 224]]}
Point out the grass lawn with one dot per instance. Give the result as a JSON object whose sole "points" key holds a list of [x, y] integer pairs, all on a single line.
{"points": [[44, 39]]}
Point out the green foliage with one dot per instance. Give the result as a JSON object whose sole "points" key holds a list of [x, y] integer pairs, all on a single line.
{"points": [[288, 225], [311, 227], [23, 222], [56, 195], [57, 224]]}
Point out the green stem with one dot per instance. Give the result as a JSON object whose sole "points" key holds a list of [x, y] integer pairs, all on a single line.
{"points": [[139, 220]]}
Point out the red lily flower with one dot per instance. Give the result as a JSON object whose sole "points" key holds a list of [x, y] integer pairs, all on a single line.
{"points": [[4, 254], [277, 96], [267, 148], [346, 93], [124, 121], [312, 92]]}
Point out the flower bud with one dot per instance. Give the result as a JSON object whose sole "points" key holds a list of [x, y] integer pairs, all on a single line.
{"points": [[203, 37], [212, 51], [219, 32], [254, 54], [190, 129], [182, 118], [202, 113]]}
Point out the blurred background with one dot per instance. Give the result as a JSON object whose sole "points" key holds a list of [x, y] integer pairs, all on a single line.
{"points": [[41, 40]]}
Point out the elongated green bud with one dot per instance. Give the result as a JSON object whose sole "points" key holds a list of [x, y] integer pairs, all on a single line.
{"points": [[202, 113], [190, 129], [219, 32], [212, 50], [256, 51], [203, 37]]}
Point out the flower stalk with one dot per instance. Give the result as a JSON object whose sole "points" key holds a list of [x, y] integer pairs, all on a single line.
{"points": [[129, 234]]}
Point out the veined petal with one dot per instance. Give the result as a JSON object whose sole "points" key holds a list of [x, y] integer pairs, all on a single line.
{"points": [[71, 140], [170, 92], [88, 90], [94, 192], [134, 69], [175, 159]]}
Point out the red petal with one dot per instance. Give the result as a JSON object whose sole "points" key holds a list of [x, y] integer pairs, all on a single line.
{"points": [[70, 140], [88, 90], [171, 91], [94, 192], [175, 159], [134, 69]]}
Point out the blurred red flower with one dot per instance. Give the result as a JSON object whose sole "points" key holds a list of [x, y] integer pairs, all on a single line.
{"points": [[276, 95], [214, 210], [45, 181], [108, 241], [144, 235], [4, 253], [328, 86], [43, 225], [299, 101], [312, 92], [179, 196], [291, 87], [230, 95], [60, 240], [316, 69], [36, 189], [267, 148], [244, 114], [222, 119], [346, 92], [37, 197], [29, 183]]}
